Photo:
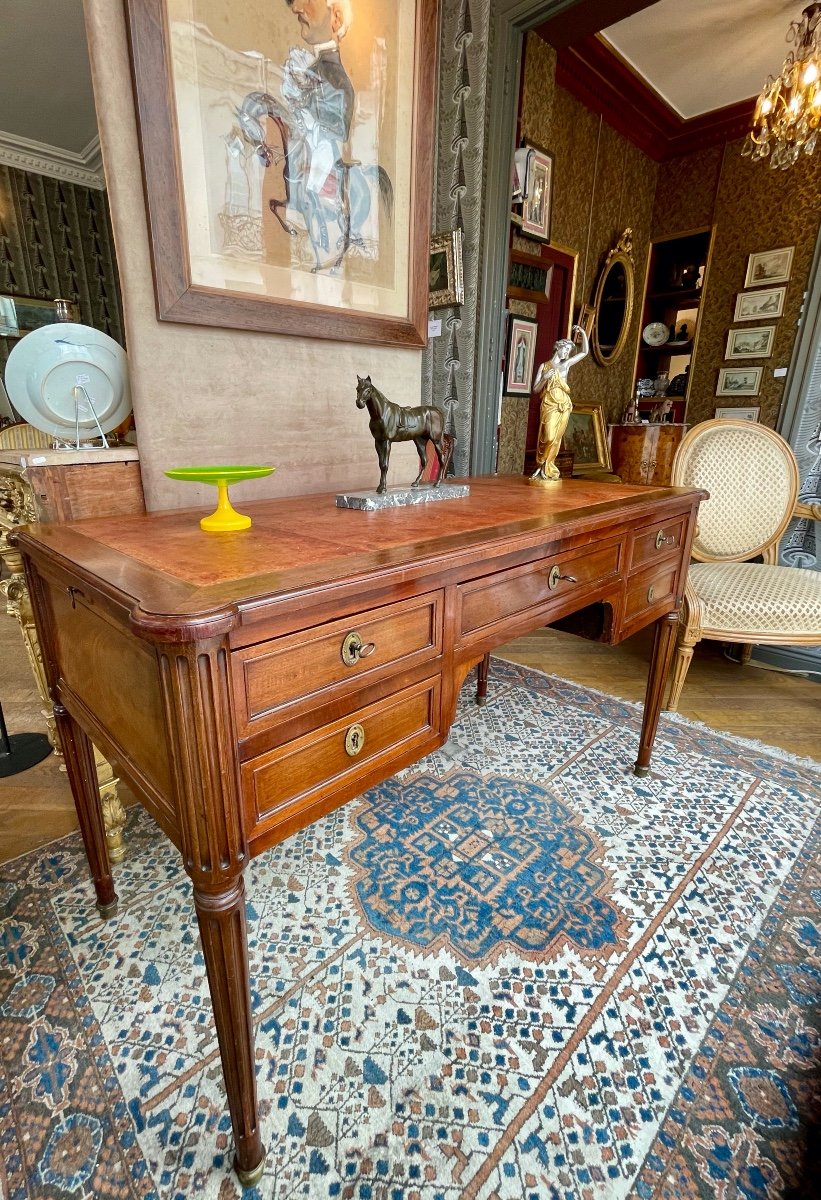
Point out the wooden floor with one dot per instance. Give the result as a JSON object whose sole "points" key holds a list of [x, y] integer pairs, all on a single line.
{"points": [[781, 710]]}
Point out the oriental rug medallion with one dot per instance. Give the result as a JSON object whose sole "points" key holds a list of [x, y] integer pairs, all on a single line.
{"points": [[512, 972]]}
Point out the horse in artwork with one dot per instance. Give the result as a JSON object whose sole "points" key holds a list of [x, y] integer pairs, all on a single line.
{"points": [[391, 423]]}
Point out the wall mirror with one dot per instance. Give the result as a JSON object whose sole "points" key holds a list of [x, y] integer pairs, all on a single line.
{"points": [[613, 302]]}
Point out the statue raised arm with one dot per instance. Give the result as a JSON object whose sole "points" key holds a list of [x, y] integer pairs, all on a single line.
{"points": [[556, 405]]}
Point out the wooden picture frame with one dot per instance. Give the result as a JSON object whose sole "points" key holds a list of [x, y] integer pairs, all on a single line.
{"points": [[751, 342], [769, 266], [520, 357], [586, 437], [446, 281], [759, 306], [251, 227], [739, 381], [537, 207]]}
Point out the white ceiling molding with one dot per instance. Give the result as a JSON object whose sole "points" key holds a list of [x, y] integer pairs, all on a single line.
{"points": [[85, 167]]}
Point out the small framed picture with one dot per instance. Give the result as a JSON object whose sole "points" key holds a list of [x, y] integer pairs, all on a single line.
{"points": [[739, 381], [446, 285], [521, 351], [738, 414], [537, 208], [769, 266], [750, 343], [752, 306], [586, 437]]}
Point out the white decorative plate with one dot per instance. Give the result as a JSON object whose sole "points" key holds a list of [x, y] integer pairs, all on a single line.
{"points": [[53, 369], [656, 333]]}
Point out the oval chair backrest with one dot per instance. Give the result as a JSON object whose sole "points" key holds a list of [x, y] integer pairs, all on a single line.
{"points": [[752, 477], [24, 437]]}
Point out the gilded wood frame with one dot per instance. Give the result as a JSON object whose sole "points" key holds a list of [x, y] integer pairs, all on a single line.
{"points": [[622, 253], [178, 298]]}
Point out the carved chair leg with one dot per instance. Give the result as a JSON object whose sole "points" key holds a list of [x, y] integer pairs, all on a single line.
{"points": [[82, 775], [663, 646], [483, 675], [224, 936], [687, 641]]}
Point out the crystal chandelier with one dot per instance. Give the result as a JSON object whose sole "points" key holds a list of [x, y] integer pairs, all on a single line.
{"points": [[788, 111]]}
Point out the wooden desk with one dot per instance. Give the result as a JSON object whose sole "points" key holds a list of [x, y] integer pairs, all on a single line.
{"points": [[248, 683]]}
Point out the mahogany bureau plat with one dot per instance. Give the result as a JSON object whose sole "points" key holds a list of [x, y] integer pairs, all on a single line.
{"points": [[247, 683]]}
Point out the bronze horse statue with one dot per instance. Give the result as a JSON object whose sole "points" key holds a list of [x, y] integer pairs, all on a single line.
{"points": [[391, 423]]}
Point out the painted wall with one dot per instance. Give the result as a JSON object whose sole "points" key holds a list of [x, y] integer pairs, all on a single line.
{"points": [[56, 240], [215, 395], [752, 208]]}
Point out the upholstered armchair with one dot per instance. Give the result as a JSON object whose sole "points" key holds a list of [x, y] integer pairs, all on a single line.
{"points": [[752, 477]]}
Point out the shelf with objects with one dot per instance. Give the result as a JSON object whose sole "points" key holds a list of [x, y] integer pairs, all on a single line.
{"points": [[676, 282]]}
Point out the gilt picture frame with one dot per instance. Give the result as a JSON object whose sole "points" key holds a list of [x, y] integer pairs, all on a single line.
{"points": [[739, 381], [586, 437], [446, 280], [297, 201], [751, 342], [537, 207], [758, 306], [769, 266]]}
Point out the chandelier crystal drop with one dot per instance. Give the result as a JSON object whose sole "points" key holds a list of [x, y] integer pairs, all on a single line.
{"points": [[788, 111]]}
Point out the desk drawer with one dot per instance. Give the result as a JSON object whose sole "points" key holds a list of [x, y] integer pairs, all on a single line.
{"points": [[339, 657], [647, 589], [486, 601], [657, 542], [278, 785]]}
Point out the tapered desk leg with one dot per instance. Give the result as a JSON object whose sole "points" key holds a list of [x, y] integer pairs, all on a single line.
{"points": [[82, 775], [224, 937], [482, 677], [664, 644]]}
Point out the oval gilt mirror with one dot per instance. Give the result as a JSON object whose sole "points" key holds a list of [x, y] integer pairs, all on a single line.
{"points": [[613, 302]]}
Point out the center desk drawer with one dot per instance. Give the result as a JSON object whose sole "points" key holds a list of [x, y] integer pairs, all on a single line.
{"points": [[338, 657], [328, 763], [486, 601]]}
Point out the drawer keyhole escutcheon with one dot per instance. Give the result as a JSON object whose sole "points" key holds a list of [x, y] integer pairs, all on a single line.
{"points": [[555, 575], [651, 591], [661, 540], [354, 740], [353, 648]]}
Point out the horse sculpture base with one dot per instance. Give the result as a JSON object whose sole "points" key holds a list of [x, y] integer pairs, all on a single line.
{"points": [[398, 497]]}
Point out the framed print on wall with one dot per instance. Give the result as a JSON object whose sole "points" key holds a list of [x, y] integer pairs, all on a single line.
{"points": [[738, 414], [445, 277], [537, 208], [287, 163], [750, 343], [521, 351], [739, 381], [752, 306], [769, 267]]}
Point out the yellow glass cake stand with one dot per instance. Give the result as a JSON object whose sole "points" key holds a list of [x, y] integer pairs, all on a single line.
{"points": [[224, 518]]}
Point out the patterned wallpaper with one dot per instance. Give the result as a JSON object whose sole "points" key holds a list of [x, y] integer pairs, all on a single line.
{"points": [[447, 376], [55, 240], [752, 208]]}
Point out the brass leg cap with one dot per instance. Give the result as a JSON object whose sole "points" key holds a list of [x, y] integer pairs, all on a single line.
{"points": [[250, 1178], [107, 911], [641, 771], [481, 701]]}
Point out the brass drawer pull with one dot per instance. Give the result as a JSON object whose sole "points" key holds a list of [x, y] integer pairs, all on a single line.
{"points": [[661, 540], [353, 648], [354, 741], [555, 575], [651, 592]]}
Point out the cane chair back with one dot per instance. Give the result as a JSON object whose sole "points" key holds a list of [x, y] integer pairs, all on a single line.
{"points": [[23, 437], [752, 477]]}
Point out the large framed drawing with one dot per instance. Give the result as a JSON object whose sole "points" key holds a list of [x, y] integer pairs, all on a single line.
{"points": [[286, 151]]}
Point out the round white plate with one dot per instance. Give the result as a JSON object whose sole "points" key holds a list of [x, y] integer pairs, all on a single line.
{"points": [[656, 333], [54, 368]]}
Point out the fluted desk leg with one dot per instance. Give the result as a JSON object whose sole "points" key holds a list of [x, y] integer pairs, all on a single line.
{"points": [[664, 643]]}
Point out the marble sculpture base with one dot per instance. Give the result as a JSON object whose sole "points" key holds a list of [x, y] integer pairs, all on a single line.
{"points": [[398, 497]]}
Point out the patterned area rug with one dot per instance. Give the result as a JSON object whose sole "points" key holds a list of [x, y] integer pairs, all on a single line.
{"points": [[514, 972]]}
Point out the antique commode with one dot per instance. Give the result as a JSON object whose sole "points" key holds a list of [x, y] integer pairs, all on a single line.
{"points": [[282, 671]]}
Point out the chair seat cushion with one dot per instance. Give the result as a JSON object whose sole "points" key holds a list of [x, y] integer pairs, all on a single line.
{"points": [[758, 600]]}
